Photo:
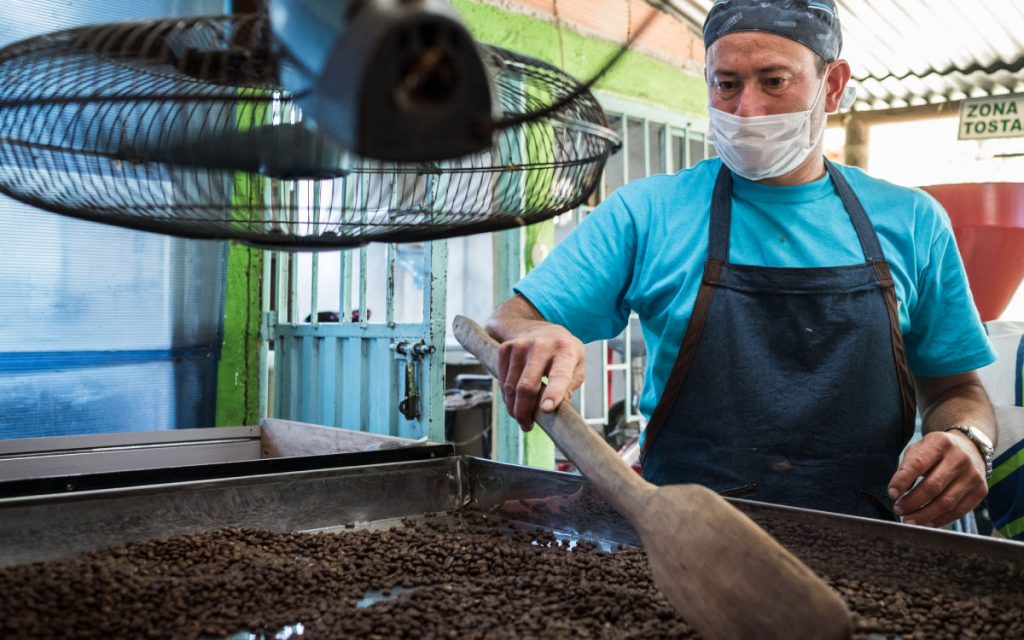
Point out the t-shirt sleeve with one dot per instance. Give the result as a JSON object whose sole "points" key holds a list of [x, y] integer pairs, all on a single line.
{"points": [[946, 335], [582, 284]]}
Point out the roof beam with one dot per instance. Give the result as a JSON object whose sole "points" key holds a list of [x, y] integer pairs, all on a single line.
{"points": [[905, 114]]}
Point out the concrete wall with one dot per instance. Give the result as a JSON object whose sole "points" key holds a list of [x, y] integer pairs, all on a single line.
{"points": [[664, 70], [666, 39]]}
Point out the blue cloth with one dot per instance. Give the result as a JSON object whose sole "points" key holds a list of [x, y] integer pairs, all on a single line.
{"points": [[1006, 492], [643, 249]]}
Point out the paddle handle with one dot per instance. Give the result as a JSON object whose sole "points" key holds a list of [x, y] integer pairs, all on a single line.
{"points": [[611, 476]]}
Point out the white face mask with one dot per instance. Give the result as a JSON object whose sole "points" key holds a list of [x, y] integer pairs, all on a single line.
{"points": [[760, 147]]}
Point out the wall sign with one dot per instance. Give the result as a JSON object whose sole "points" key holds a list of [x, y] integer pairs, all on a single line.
{"points": [[992, 117]]}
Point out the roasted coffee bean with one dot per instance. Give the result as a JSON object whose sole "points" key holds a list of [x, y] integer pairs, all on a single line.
{"points": [[481, 579]]}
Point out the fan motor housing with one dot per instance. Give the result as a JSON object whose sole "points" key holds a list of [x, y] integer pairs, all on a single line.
{"points": [[390, 80]]}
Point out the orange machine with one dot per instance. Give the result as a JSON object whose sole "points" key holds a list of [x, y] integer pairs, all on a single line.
{"points": [[988, 221]]}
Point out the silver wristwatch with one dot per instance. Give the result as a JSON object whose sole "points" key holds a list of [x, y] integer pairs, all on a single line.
{"points": [[982, 442]]}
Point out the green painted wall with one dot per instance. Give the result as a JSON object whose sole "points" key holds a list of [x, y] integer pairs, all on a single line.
{"points": [[636, 76], [238, 375]]}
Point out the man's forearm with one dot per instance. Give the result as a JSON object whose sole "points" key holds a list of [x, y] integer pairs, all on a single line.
{"points": [[509, 319], [960, 402]]}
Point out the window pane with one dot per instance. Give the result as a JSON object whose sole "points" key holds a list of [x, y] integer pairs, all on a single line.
{"points": [[635, 149], [696, 144], [658, 133], [613, 168], [679, 153], [593, 402], [470, 279]]}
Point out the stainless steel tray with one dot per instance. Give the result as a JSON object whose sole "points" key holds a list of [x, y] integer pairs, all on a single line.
{"points": [[44, 527]]}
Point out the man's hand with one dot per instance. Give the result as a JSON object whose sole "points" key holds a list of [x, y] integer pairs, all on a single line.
{"points": [[532, 348], [954, 479], [952, 468], [541, 349]]}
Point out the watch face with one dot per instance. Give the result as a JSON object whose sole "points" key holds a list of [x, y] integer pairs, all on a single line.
{"points": [[979, 436]]}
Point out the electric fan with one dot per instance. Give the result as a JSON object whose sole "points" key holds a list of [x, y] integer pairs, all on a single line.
{"points": [[218, 127]]}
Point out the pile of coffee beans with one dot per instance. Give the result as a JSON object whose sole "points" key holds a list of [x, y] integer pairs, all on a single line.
{"points": [[458, 576], [900, 590]]}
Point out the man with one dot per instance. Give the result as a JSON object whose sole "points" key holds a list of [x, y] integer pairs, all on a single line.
{"points": [[792, 308]]}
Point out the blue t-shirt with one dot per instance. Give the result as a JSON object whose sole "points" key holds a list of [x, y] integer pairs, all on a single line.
{"points": [[644, 248]]}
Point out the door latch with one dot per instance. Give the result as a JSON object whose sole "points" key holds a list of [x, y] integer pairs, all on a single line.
{"points": [[410, 404], [412, 353]]}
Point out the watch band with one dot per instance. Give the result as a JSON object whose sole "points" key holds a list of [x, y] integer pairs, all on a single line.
{"points": [[984, 448]]}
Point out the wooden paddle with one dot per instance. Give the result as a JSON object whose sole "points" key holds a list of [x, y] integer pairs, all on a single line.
{"points": [[725, 575]]}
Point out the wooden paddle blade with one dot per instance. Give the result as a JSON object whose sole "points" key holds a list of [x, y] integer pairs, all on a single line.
{"points": [[728, 577]]}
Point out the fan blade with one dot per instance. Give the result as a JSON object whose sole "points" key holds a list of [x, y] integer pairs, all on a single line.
{"points": [[287, 151]]}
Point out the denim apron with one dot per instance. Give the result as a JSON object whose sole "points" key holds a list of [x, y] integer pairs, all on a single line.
{"points": [[791, 381]]}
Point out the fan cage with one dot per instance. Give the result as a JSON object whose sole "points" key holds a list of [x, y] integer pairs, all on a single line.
{"points": [[87, 117]]}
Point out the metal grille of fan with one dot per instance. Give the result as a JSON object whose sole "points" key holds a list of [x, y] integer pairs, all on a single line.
{"points": [[179, 126]]}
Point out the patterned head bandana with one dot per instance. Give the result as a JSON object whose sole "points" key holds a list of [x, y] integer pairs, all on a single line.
{"points": [[812, 23]]}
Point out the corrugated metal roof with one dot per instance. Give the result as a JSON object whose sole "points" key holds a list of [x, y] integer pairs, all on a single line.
{"points": [[915, 52]]}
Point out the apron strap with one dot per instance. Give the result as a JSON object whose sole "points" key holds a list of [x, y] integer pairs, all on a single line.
{"points": [[861, 223], [721, 216]]}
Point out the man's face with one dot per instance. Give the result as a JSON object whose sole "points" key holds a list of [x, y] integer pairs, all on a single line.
{"points": [[758, 74]]}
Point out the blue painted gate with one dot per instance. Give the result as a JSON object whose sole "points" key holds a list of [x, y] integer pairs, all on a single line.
{"points": [[357, 338]]}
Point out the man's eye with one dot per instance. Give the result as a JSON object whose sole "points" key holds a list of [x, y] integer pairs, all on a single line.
{"points": [[775, 83], [726, 85]]}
